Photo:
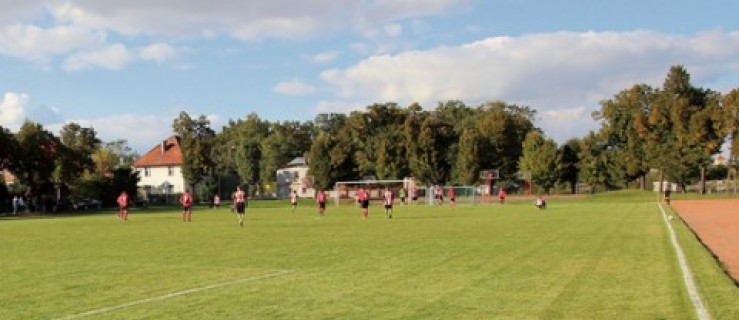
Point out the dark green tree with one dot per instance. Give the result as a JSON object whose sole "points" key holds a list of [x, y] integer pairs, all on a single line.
{"points": [[540, 157], [467, 167], [196, 141], [569, 161]]}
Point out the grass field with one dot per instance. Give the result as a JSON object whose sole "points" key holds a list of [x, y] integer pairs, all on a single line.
{"points": [[608, 257]]}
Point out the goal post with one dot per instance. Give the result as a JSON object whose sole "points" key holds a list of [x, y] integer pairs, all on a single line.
{"points": [[345, 191], [462, 194]]}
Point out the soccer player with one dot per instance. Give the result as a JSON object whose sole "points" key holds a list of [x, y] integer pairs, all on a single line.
{"points": [[388, 203], [501, 195], [363, 198], [540, 202], [186, 201], [452, 198], [402, 194], [321, 200], [216, 201], [294, 200], [439, 196], [240, 204], [123, 206], [668, 190]]}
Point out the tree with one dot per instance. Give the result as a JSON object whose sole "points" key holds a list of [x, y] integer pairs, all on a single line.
{"points": [[38, 151], [693, 116], [9, 148], [319, 161], [467, 166], [503, 128], [196, 142], [427, 139], [593, 161], [541, 159], [569, 161], [619, 124], [731, 115], [74, 156]]}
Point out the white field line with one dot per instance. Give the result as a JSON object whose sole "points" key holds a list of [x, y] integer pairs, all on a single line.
{"points": [[700, 309], [171, 295]]}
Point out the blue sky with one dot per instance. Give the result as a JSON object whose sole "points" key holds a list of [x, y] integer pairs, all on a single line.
{"points": [[127, 68]]}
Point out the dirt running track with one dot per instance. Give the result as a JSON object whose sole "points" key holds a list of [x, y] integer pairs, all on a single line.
{"points": [[716, 222]]}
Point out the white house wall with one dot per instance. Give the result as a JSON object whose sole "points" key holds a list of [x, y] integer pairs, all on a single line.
{"points": [[289, 179], [158, 176]]}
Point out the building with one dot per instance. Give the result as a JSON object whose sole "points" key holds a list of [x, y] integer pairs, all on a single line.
{"points": [[9, 178], [294, 177], [160, 169]]}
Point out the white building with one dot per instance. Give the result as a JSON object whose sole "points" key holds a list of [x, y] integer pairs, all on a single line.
{"points": [[294, 177], [160, 169]]}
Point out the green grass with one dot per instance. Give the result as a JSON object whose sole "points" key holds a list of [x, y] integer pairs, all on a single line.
{"points": [[590, 259]]}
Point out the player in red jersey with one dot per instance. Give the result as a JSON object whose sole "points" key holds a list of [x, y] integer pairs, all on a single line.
{"points": [[321, 200], [452, 198], [186, 201], [240, 204], [363, 198], [122, 206], [501, 195]]}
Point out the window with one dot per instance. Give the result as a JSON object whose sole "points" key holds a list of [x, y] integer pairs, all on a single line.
{"points": [[147, 172], [170, 171]]}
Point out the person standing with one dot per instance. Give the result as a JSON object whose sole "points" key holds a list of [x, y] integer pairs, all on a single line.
{"points": [[388, 203], [294, 200], [216, 201], [363, 198], [501, 195], [439, 196], [186, 201], [321, 200], [668, 191], [452, 198], [240, 204], [123, 206]]}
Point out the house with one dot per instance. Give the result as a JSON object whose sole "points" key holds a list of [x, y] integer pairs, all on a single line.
{"points": [[294, 177], [9, 178], [160, 169]]}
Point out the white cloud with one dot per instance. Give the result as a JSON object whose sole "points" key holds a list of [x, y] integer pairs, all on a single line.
{"points": [[294, 87], [37, 44], [325, 57], [141, 131], [13, 110], [159, 52], [113, 57], [393, 30], [246, 20], [547, 71]]}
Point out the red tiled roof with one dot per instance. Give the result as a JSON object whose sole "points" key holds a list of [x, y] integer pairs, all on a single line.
{"points": [[166, 153]]}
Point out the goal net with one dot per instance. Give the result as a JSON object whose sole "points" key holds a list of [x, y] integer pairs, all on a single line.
{"points": [[462, 194], [345, 192]]}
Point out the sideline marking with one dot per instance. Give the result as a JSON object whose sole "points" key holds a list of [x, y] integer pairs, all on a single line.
{"points": [[171, 295], [700, 309]]}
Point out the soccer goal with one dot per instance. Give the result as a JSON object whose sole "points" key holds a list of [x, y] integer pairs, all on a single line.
{"points": [[345, 192], [462, 194]]}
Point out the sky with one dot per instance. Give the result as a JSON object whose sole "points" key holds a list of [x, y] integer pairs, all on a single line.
{"points": [[128, 68]]}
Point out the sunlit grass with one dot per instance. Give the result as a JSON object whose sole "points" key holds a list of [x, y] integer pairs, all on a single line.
{"points": [[602, 259]]}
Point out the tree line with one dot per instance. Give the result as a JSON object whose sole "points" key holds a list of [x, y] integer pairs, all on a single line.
{"points": [[52, 170], [675, 129]]}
